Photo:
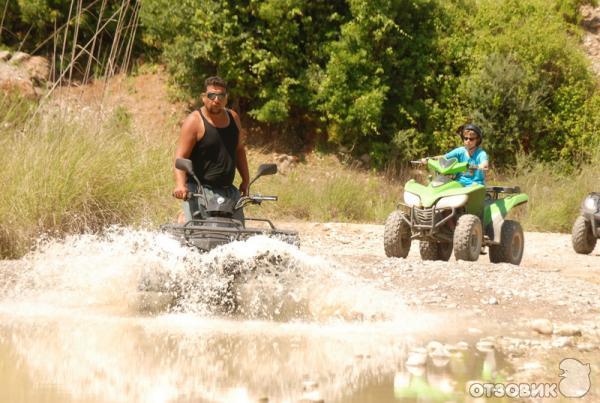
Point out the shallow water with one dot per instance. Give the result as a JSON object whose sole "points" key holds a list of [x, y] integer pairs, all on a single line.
{"points": [[301, 328]]}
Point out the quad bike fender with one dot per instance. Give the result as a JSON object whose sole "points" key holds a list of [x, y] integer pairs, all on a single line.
{"points": [[430, 196], [495, 212]]}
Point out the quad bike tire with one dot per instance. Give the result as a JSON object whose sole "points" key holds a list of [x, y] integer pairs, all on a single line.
{"points": [[431, 250], [512, 244], [468, 236], [582, 237], [396, 236]]}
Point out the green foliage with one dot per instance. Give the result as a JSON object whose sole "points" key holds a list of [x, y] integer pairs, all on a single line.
{"points": [[378, 75], [526, 81], [388, 78], [391, 78]]}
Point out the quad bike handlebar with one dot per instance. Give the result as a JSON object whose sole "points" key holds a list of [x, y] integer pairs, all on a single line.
{"points": [[424, 162], [253, 199]]}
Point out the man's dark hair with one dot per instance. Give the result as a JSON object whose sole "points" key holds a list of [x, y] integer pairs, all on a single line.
{"points": [[215, 81]]}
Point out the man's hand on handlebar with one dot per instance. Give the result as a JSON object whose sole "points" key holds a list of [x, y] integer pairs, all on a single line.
{"points": [[181, 192]]}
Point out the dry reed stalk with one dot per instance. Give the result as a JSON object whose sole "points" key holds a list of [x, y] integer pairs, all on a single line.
{"points": [[57, 30], [81, 52], [62, 54], [91, 52], [136, 19], [75, 36], [2, 21]]}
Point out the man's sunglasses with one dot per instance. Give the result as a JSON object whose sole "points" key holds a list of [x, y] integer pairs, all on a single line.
{"points": [[214, 95], [469, 138]]}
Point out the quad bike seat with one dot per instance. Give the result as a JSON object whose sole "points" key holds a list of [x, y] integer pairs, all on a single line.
{"points": [[493, 192]]}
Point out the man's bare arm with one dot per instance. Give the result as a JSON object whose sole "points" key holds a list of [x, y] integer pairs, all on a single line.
{"points": [[242, 160], [187, 139]]}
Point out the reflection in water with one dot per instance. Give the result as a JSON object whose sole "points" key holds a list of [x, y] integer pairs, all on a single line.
{"points": [[174, 357], [303, 329]]}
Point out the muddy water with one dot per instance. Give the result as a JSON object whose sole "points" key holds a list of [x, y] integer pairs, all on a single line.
{"points": [[293, 327]]}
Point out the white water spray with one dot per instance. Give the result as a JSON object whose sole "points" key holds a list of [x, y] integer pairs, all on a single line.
{"points": [[260, 278]]}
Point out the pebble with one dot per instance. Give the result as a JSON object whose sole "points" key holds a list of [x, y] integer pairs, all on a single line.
{"points": [[542, 326], [474, 331], [561, 342], [586, 347], [567, 330]]}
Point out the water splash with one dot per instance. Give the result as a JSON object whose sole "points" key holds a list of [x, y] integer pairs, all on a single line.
{"points": [[261, 278], [68, 322]]}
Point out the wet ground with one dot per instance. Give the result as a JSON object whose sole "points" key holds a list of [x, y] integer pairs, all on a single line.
{"points": [[335, 321]]}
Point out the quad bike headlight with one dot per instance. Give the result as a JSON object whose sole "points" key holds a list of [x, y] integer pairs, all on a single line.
{"points": [[411, 199], [591, 203], [452, 201]]}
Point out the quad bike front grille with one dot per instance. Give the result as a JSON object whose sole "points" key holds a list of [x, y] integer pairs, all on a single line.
{"points": [[423, 216]]}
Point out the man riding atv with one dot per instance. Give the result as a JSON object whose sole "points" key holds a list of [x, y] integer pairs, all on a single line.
{"points": [[213, 139], [210, 148]]}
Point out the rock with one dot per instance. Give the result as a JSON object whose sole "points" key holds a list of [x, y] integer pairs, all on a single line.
{"points": [[38, 68], [462, 345], [560, 342], [285, 163], [14, 80], [474, 330], [417, 357], [23, 74], [567, 330], [485, 346], [542, 326], [19, 58], [489, 301], [4, 55], [586, 347]]}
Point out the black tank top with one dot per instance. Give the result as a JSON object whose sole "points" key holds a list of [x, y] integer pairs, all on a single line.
{"points": [[214, 156]]}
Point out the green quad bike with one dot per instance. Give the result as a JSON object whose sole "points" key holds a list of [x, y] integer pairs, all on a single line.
{"points": [[586, 229], [444, 215]]}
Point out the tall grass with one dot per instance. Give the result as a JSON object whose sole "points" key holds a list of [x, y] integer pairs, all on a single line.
{"points": [[325, 190], [555, 191], [66, 172]]}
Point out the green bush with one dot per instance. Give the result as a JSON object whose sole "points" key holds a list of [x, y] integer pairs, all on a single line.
{"points": [[391, 78], [528, 81]]}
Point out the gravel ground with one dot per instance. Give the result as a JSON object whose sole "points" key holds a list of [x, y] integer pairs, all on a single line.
{"points": [[538, 313]]}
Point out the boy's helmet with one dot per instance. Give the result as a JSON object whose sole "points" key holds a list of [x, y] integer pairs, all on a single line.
{"points": [[474, 128]]}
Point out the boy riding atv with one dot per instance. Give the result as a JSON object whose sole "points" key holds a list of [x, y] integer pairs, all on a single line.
{"points": [[455, 211]]}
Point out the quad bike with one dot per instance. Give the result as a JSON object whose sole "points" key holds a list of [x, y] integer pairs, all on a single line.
{"points": [[444, 216], [586, 229], [214, 223]]}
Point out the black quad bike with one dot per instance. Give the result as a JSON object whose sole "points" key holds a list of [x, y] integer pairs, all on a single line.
{"points": [[214, 223], [586, 229]]}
